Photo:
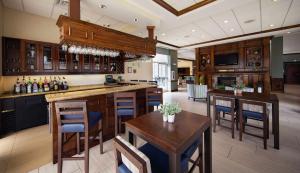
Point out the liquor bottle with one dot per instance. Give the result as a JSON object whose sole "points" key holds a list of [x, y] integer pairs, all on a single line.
{"points": [[65, 83], [46, 85], [35, 87], [23, 86], [29, 86], [60, 83], [17, 87], [51, 86], [55, 84], [40, 84], [259, 87]]}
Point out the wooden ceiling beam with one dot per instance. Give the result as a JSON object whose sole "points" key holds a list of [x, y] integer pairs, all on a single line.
{"points": [[74, 9]]}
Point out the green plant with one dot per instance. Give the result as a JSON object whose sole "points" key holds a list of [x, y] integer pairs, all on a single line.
{"points": [[169, 109], [239, 86]]}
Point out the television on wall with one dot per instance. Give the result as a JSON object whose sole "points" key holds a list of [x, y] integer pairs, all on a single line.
{"points": [[227, 59]]}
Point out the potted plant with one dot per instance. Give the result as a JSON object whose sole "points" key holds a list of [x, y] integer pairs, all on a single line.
{"points": [[169, 110], [238, 88]]}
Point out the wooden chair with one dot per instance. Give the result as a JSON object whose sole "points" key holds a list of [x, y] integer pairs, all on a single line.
{"points": [[72, 117], [125, 106], [153, 82], [256, 111], [133, 80], [149, 159], [154, 97], [225, 105]]}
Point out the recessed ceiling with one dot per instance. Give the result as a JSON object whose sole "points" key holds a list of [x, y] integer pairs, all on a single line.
{"points": [[218, 20]]}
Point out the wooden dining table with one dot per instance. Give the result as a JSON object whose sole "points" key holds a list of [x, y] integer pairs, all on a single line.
{"points": [[173, 138], [262, 97]]}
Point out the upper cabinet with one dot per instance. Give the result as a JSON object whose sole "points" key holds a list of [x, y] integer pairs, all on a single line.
{"points": [[26, 57]]}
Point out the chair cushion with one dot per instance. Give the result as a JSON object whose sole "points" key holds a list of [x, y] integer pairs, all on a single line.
{"points": [[160, 160], [125, 103], [125, 112], [94, 118], [223, 109], [154, 103], [123, 169], [72, 128], [188, 153], [252, 115]]}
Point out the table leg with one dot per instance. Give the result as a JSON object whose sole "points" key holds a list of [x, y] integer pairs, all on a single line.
{"points": [[275, 123], [207, 151], [208, 104], [132, 138], [174, 163]]}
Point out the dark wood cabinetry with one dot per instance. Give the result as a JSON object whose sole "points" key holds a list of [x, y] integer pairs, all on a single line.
{"points": [[26, 57], [22, 112]]}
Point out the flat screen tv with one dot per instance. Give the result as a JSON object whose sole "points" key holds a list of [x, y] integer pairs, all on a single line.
{"points": [[227, 59]]}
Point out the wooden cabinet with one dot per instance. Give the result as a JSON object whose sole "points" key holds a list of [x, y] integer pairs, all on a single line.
{"points": [[26, 57]]}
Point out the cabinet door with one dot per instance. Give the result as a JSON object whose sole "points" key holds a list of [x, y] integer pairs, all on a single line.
{"points": [[31, 56], [87, 63], [96, 64], [62, 62], [47, 57], [7, 116], [31, 111], [75, 63], [12, 64]]}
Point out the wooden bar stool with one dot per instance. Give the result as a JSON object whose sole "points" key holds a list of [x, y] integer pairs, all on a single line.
{"points": [[256, 111], [225, 105], [154, 97], [125, 106], [72, 117]]}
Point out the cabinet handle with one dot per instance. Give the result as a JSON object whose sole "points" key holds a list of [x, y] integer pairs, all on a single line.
{"points": [[69, 31], [8, 110], [92, 35], [86, 35]]}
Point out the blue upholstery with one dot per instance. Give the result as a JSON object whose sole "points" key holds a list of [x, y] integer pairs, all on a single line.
{"points": [[94, 118], [160, 160], [125, 112], [123, 169], [154, 97], [223, 109], [253, 115], [125, 103], [190, 151], [154, 103]]}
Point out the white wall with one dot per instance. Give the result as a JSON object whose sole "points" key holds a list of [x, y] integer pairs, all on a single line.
{"points": [[144, 70]]}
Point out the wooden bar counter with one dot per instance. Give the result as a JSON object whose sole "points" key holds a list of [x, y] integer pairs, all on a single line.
{"points": [[100, 100]]}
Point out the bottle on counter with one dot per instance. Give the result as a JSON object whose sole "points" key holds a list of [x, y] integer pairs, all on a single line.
{"points": [[40, 85], [46, 85], [29, 86], [51, 84], [259, 87], [17, 87], [23, 86], [65, 84], [35, 87], [60, 83], [55, 84]]}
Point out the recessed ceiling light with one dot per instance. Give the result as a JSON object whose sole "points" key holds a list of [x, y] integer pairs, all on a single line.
{"points": [[275, 0], [272, 25], [231, 29], [106, 25], [102, 6], [135, 19], [163, 34], [288, 32], [193, 30], [226, 21]]}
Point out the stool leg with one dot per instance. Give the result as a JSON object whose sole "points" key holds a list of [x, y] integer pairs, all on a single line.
{"points": [[147, 108], [265, 133], [116, 125], [214, 121], [219, 118], [78, 142], [200, 152], [59, 149], [232, 125], [241, 127], [120, 125], [100, 137], [86, 152]]}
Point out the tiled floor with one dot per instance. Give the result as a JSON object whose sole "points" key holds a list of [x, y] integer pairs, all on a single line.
{"points": [[30, 149]]}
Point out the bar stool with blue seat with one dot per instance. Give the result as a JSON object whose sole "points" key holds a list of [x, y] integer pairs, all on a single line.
{"points": [[154, 97], [256, 111], [148, 158], [226, 106], [125, 107], [72, 117]]}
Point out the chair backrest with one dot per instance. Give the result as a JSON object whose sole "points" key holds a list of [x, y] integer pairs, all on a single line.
{"points": [[71, 112], [224, 101], [190, 90], [152, 82], [154, 94], [130, 156], [125, 100], [142, 80], [253, 106], [134, 80]]}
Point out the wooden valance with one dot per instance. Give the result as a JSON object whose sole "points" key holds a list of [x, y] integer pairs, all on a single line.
{"points": [[75, 31]]}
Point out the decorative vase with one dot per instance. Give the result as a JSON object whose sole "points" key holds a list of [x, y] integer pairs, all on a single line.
{"points": [[165, 118], [171, 118]]}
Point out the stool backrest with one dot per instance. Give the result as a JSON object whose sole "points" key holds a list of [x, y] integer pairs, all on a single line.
{"points": [[152, 82], [130, 156], [154, 94], [253, 106], [142, 80], [71, 112], [125, 100], [134, 80], [224, 101]]}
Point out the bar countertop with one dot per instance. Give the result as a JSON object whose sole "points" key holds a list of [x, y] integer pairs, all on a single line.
{"points": [[52, 97]]}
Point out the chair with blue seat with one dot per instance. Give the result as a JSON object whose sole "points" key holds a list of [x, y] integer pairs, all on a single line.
{"points": [[257, 111], [148, 158], [226, 106], [154, 97], [125, 107], [72, 117]]}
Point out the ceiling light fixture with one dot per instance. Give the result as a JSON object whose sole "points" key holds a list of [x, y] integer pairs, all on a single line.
{"points": [[272, 25], [135, 20], [193, 30], [231, 29], [163, 34], [288, 32], [226, 21], [102, 6], [275, 0]]}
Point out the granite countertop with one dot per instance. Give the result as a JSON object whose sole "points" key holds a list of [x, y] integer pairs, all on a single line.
{"points": [[71, 89], [51, 97]]}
